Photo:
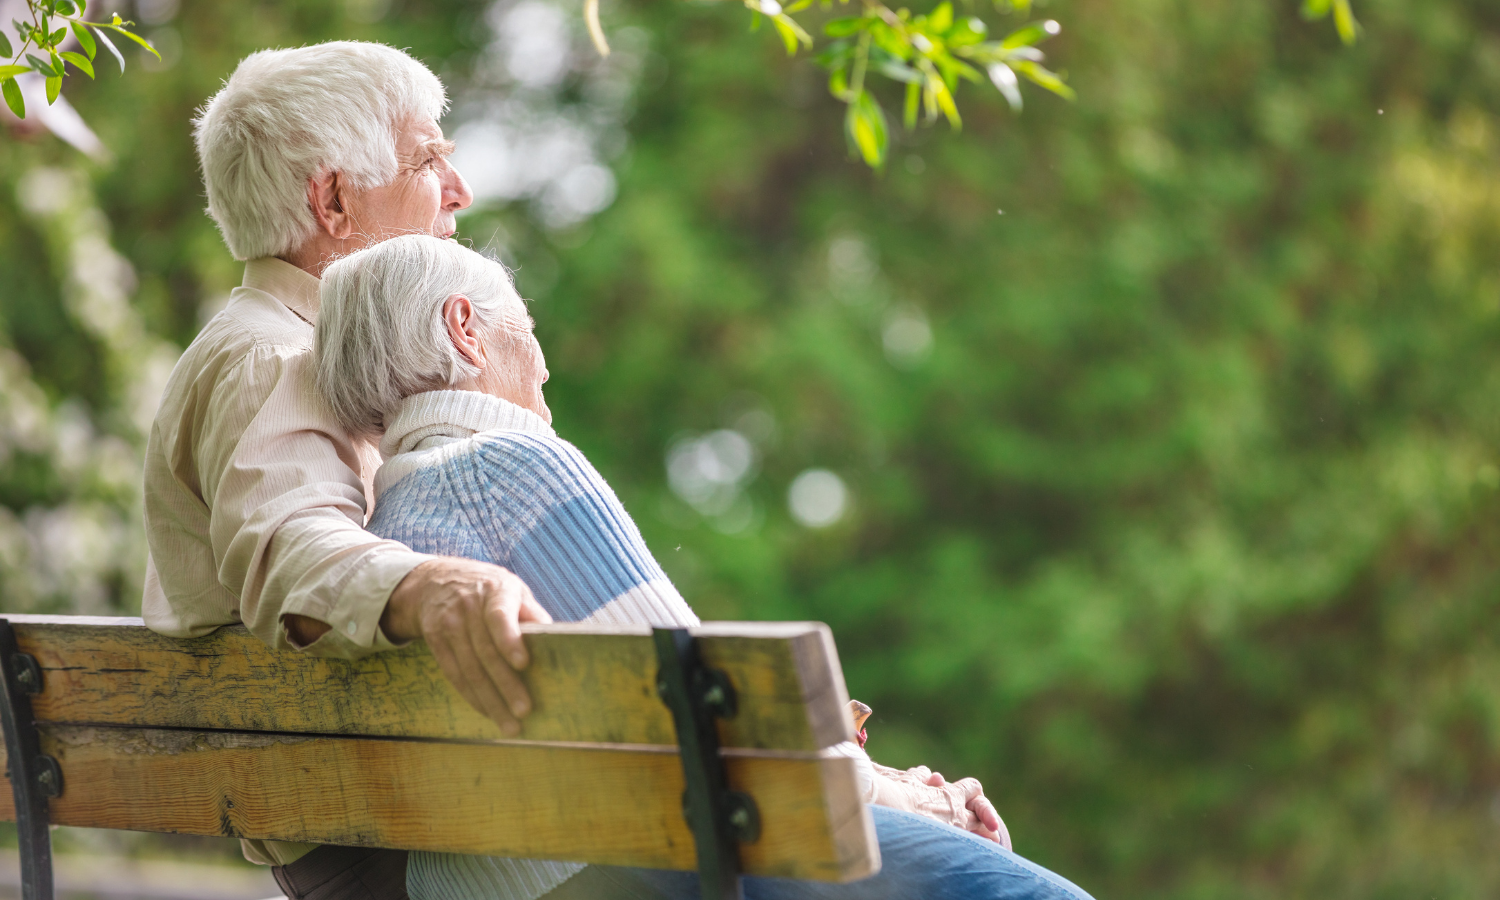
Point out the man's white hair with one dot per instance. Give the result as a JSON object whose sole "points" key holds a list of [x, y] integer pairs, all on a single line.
{"points": [[381, 336], [285, 116]]}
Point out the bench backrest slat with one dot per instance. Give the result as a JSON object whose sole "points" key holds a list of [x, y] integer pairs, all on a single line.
{"points": [[591, 684], [601, 805]]}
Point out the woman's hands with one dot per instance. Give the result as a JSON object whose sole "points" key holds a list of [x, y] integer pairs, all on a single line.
{"points": [[961, 804], [920, 790]]}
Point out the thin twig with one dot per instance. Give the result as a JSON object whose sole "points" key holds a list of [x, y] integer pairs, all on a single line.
{"points": [[596, 31]]}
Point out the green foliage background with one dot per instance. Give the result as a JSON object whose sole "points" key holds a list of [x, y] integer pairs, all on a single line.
{"points": [[1182, 536]]}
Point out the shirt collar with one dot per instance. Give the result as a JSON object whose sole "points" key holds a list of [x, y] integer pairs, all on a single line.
{"points": [[454, 414], [297, 290]]}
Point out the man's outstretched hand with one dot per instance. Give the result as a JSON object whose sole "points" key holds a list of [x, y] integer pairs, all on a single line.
{"points": [[470, 614]]}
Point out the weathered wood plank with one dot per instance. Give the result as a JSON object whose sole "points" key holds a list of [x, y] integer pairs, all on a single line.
{"points": [[593, 684], [616, 806]]}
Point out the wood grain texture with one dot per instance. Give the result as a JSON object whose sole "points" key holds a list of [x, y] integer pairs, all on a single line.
{"points": [[592, 684], [604, 805]]}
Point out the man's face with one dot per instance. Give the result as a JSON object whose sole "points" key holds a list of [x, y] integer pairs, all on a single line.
{"points": [[421, 199]]}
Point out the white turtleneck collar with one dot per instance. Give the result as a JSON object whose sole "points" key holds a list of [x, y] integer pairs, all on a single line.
{"points": [[431, 419]]}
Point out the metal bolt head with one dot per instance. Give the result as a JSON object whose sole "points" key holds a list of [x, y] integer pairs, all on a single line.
{"points": [[661, 688], [44, 778], [740, 818], [714, 696]]}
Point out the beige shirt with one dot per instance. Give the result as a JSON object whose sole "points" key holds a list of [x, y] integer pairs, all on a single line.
{"points": [[255, 499]]}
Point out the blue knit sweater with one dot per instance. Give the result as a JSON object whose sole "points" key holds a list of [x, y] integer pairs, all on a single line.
{"points": [[471, 475]]}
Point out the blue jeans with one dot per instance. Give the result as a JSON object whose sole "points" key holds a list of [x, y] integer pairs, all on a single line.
{"points": [[921, 860]]}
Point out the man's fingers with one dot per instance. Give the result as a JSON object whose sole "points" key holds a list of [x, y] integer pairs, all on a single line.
{"points": [[532, 611], [465, 673], [935, 779], [500, 674], [502, 609]]}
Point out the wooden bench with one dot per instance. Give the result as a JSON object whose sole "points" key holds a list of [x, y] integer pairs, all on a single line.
{"points": [[704, 748]]}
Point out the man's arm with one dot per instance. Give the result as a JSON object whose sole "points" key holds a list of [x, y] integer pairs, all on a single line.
{"points": [[287, 508]]}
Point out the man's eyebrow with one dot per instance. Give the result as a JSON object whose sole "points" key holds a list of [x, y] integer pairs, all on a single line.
{"points": [[439, 148]]}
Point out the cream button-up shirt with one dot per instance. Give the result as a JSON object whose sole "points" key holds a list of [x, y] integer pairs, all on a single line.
{"points": [[255, 498]]}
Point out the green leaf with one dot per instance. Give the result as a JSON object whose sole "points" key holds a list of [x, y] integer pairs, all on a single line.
{"points": [[838, 83], [940, 19], [110, 46], [56, 37], [79, 60], [1316, 9], [1004, 78], [867, 129], [1043, 78], [13, 97], [66, 7], [1343, 21], [10, 71], [1031, 34], [85, 40], [886, 38], [944, 98], [834, 55], [788, 36], [913, 91], [54, 88], [845, 26], [44, 67], [966, 33], [897, 71], [5, 49], [139, 40]]}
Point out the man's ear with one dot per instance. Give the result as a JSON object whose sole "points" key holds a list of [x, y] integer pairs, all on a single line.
{"points": [[463, 329], [325, 196]]}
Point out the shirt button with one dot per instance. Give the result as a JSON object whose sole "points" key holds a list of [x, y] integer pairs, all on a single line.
{"points": [[350, 629]]}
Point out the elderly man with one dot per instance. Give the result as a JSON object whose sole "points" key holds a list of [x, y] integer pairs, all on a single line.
{"points": [[255, 497], [427, 343]]}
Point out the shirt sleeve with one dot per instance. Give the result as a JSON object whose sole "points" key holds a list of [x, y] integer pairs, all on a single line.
{"points": [[287, 508]]}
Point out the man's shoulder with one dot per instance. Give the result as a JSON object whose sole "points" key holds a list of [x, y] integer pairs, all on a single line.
{"points": [[253, 327]]}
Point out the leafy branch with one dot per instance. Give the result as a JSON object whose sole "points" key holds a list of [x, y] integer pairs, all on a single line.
{"points": [[50, 24], [928, 55]]}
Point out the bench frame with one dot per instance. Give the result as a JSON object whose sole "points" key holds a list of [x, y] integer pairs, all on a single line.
{"points": [[33, 777]]}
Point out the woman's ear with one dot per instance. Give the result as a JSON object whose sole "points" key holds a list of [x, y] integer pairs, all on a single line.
{"points": [[326, 198], [463, 329]]}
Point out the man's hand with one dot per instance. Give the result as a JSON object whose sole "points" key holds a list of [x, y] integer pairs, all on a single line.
{"points": [[470, 614]]}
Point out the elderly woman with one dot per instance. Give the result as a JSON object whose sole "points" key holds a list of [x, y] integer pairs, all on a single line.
{"points": [[427, 342]]}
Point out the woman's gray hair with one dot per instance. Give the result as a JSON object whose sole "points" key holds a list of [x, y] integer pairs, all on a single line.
{"points": [[381, 336], [285, 116]]}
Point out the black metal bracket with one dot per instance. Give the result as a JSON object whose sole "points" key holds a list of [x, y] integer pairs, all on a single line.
{"points": [[33, 777], [718, 817]]}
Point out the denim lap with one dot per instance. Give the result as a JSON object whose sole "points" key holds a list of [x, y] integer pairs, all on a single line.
{"points": [[921, 860]]}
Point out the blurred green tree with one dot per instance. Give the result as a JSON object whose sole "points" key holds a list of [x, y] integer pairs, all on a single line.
{"points": [[1142, 458]]}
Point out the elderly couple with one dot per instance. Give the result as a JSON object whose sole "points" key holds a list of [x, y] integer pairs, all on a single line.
{"points": [[367, 357]]}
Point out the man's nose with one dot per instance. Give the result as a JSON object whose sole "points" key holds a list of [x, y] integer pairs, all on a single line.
{"points": [[456, 193]]}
